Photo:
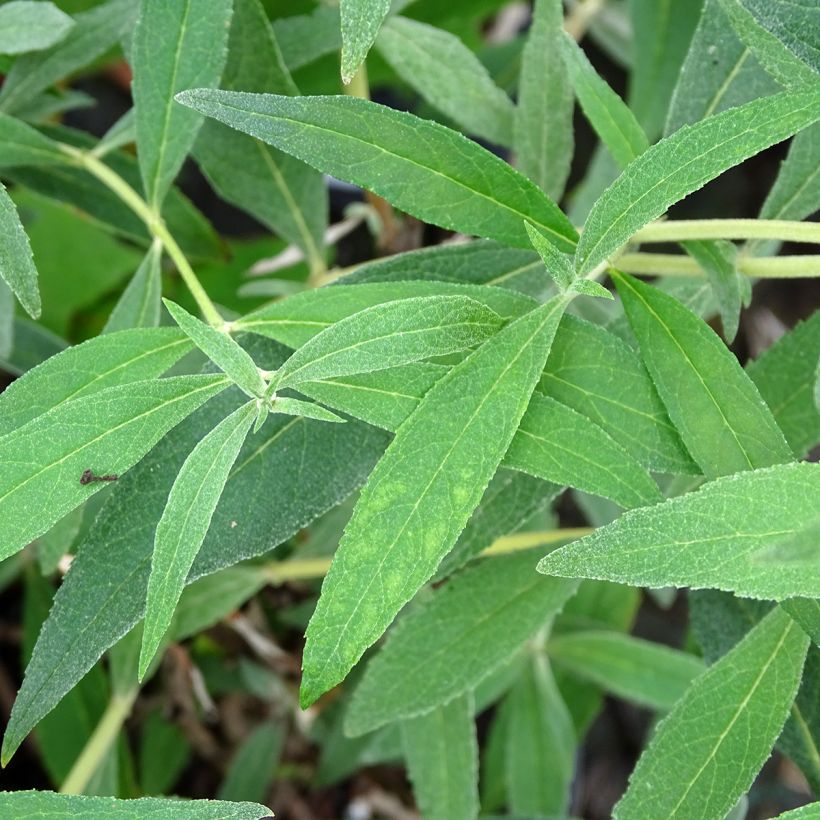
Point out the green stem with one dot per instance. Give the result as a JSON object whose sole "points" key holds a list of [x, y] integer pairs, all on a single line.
{"points": [[103, 737], [672, 264], [683, 229], [153, 221]]}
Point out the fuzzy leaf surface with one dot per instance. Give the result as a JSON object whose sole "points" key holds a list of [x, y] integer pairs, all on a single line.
{"points": [[185, 521], [20, 144], [389, 335], [718, 411], [470, 626], [141, 301], [750, 533], [684, 162], [28, 26], [422, 493], [706, 752], [177, 44], [360, 22], [441, 751], [419, 166], [16, 260]]}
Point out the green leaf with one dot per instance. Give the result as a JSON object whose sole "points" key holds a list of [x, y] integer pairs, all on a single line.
{"points": [[163, 754], [123, 132], [360, 20], [140, 303], [422, 493], [294, 407], [778, 59], [419, 166], [453, 640], [558, 444], [712, 402], [661, 33], [21, 144], [590, 287], [295, 320], [99, 363], [177, 44], [558, 264], [391, 334], [304, 38], [16, 260], [810, 811], [542, 125], [440, 68], [441, 750], [106, 432], [806, 611], [784, 374], [31, 805], [94, 32], [684, 162], [185, 522], [608, 114], [706, 752], [28, 26], [32, 344], [711, 538], [6, 323], [253, 767], [308, 467], [221, 349], [719, 262], [719, 72], [540, 747], [641, 671]]}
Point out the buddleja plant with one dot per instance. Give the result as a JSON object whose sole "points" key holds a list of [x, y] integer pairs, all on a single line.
{"points": [[463, 387]]}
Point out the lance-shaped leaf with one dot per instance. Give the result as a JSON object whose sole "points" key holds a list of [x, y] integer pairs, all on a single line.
{"points": [[777, 58], [31, 805], [94, 32], [706, 752], [360, 20], [558, 444], [254, 764], [441, 751], [540, 744], [101, 362], [295, 320], [542, 126], [139, 305], [20, 144], [422, 493], [294, 407], [810, 811], [558, 264], [449, 76], [106, 432], [419, 166], [27, 26], [715, 406], [307, 466], [16, 260], [470, 626], [806, 611], [221, 349], [177, 44], [391, 334], [608, 114], [684, 162], [641, 671], [185, 521], [712, 538]]}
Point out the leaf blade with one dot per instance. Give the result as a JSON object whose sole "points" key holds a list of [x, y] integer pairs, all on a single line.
{"points": [[16, 260], [360, 20], [140, 302]]}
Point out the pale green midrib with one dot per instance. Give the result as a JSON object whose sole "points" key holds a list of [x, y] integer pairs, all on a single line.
{"points": [[125, 364], [560, 304], [16, 488], [724, 86], [740, 709], [691, 364], [166, 117], [313, 254], [615, 223], [288, 378], [103, 610], [524, 216]]}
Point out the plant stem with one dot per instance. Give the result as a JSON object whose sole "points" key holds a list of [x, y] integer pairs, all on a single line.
{"points": [[153, 221], [278, 572], [103, 737], [683, 229], [676, 264]]}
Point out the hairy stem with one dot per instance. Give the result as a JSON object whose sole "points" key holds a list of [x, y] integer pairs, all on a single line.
{"points": [[671, 264], [153, 221], [683, 229]]}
